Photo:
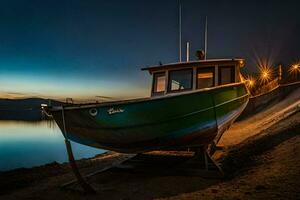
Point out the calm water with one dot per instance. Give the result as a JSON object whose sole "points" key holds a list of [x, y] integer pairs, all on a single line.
{"points": [[27, 144]]}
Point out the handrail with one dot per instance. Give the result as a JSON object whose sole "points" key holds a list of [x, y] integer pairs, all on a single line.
{"points": [[171, 95]]}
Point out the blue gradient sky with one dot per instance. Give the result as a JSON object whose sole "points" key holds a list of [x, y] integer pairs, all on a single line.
{"points": [[83, 49]]}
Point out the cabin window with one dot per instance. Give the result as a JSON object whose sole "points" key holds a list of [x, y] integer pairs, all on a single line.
{"points": [[159, 82], [226, 75], [205, 77], [180, 80]]}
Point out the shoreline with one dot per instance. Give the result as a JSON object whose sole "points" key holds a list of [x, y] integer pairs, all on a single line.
{"points": [[240, 162]]}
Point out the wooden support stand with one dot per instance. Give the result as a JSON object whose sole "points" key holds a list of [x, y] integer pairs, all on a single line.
{"points": [[85, 186], [201, 164], [181, 164]]}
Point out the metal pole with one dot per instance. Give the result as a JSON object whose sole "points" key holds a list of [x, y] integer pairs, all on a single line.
{"points": [[187, 52], [86, 187], [205, 42], [180, 59]]}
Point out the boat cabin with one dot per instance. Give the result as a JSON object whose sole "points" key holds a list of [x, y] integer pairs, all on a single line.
{"points": [[194, 75]]}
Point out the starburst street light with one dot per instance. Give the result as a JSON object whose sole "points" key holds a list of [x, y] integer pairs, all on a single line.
{"points": [[250, 82], [265, 74], [294, 68]]}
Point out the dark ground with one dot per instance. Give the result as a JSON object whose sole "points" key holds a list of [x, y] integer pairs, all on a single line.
{"points": [[265, 166]]}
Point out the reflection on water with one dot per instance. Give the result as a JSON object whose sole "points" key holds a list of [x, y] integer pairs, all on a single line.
{"points": [[27, 144]]}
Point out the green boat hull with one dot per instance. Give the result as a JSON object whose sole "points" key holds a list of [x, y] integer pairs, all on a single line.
{"points": [[191, 119]]}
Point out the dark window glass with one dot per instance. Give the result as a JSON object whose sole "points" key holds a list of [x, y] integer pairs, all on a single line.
{"points": [[159, 82], [180, 80], [226, 75], [205, 77]]}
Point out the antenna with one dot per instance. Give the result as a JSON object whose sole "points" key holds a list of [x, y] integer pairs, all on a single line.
{"points": [[187, 52], [205, 39], [180, 31]]}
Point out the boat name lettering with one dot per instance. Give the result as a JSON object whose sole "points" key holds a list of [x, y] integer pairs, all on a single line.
{"points": [[115, 110]]}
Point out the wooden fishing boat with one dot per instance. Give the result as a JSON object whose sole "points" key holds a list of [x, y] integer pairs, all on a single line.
{"points": [[191, 105]]}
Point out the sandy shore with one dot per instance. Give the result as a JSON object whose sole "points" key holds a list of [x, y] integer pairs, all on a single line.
{"points": [[263, 166]]}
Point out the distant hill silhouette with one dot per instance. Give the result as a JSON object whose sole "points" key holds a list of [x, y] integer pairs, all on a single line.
{"points": [[23, 109]]}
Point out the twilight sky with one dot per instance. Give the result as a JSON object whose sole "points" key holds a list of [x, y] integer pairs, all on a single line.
{"points": [[87, 48]]}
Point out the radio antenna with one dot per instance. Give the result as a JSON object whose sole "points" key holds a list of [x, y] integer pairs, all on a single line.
{"points": [[180, 59], [205, 39]]}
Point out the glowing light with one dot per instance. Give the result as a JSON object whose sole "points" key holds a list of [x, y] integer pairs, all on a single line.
{"points": [[205, 75], [294, 68], [265, 74], [250, 81], [242, 63]]}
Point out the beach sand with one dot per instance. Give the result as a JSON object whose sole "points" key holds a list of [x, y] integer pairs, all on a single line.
{"points": [[265, 165]]}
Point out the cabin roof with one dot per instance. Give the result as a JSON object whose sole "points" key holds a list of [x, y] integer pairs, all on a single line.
{"points": [[193, 63]]}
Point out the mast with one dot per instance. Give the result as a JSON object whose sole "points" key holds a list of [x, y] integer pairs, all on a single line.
{"points": [[187, 52], [205, 39], [180, 31]]}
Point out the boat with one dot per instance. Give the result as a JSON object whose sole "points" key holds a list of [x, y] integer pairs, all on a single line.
{"points": [[191, 105]]}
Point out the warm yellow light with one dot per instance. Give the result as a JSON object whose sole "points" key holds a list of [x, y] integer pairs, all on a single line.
{"points": [[295, 68], [265, 74], [242, 63], [250, 81], [205, 75]]}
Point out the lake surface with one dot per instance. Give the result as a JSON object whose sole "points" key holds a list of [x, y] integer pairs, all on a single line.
{"points": [[27, 144]]}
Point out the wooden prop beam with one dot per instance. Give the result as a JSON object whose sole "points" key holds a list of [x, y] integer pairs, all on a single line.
{"points": [[82, 182]]}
